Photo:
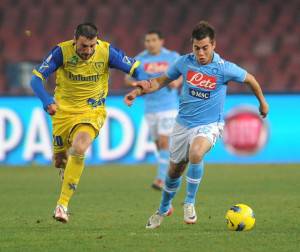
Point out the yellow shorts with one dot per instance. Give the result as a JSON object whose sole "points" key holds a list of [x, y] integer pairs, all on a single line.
{"points": [[64, 123]]}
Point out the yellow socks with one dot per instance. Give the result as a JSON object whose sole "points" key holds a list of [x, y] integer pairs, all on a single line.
{"points": [[74, 167], [72, 175]]}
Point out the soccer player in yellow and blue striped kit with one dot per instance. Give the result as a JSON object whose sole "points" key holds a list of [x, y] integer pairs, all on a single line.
{"points": [[78, 107]]}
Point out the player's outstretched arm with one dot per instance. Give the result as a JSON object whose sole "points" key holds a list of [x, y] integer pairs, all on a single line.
{"points": [[175, 84], [256, 89], [145, 87], [128, 80]]}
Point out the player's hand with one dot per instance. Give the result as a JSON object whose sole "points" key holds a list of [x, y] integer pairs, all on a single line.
{"points": [[145, 85], [264, 109], [51, 109], [129, 98]]}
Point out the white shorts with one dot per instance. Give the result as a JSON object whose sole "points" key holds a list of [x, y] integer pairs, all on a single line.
{"points": [[182, 137], [161, 123]]}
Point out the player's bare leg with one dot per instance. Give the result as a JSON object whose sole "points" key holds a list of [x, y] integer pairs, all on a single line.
{"points": [[199, 147]]}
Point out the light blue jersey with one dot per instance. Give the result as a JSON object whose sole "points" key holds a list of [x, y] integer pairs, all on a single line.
{"points": [[154, 66], [204, 88]]}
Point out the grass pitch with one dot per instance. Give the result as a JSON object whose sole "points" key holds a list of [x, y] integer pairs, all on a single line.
{"points": [[112, 204]]}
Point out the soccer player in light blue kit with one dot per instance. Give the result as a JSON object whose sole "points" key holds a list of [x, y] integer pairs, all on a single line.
{"points": [[160, 107], [200, 118]]}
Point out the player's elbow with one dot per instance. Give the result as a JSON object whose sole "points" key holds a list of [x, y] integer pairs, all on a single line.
{"points": [[250, 78]]}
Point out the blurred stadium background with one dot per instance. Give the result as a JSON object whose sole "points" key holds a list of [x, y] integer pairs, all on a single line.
{"points": [[261, 35]]}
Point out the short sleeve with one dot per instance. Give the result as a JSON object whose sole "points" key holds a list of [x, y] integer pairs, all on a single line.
{"points": [[174, 70], [233, 72]]}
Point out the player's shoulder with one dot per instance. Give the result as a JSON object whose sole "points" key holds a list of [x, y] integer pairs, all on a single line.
{"points": [[228, 68], [169, 52], [217, 59], [103, 43], [220, 62], [142, 54], [186, 58], [66, 43], [182, 60]]}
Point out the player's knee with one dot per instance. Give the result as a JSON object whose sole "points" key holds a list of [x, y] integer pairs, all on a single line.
{"points": [[60, 160], [78, 149], [198, 148], [82, 139], [163, 143], [195, 157]]}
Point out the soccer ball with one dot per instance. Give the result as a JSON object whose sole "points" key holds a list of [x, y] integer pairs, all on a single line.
{"points": [[240, 217]]}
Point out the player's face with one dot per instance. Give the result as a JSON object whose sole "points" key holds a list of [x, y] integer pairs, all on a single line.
{"points": [[203, 50], [153, 43], [85, 47]]}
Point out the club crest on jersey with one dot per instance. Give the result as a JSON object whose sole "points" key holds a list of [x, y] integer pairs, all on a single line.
{"points": [[201, 80], [199, 94], [99, 66], [73, 60], [156, 67]]}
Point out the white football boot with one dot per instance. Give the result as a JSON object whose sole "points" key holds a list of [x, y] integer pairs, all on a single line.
{"points": [[189, 213], [156, 219], [61, 214]]}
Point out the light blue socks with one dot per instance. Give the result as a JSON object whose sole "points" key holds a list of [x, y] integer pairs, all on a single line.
{"points": [[163, 163], [169, 191], [193, 179]]}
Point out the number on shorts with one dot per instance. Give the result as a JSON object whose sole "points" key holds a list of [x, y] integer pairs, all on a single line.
{"points": [[57, 140]]}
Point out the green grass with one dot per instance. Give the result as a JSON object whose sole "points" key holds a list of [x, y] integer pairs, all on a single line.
{"points": [[112, 204]]}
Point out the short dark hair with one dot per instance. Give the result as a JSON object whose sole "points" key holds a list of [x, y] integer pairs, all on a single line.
{"points": [[88, 30], [155, 31], [202, 30]]}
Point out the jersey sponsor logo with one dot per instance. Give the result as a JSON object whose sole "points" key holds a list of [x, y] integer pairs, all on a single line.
{"points": [[156, 67], [73, 60], [79, 77], [201, 80], [95, 103], [199, 94]]}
